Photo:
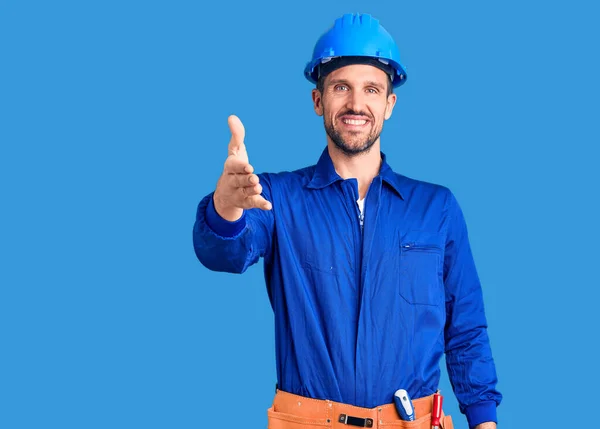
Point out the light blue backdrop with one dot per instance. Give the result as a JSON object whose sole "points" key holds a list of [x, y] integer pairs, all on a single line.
{"points": [[113, 125]]}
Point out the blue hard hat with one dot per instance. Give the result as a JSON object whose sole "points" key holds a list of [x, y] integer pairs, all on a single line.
{"points": [[356, 35]]}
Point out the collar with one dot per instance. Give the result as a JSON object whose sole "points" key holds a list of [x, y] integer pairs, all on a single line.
{"points": [[325, 174]]}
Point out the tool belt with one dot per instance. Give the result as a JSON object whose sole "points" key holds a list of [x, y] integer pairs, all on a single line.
{"points": [[291, 411]]}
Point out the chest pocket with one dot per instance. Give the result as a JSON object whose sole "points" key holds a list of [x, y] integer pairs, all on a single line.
{"points": [[421, 268]]}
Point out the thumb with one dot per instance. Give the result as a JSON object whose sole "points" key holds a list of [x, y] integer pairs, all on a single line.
{"points": [[237, 134]]}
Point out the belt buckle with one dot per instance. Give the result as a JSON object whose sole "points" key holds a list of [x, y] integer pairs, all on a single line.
{"points": [[355, 421]]}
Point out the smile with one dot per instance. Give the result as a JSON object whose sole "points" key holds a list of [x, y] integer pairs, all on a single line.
{"points": [[354, 121]]}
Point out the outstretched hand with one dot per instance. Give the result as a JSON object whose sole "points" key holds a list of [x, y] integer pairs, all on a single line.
{"points": [[238, 188]]}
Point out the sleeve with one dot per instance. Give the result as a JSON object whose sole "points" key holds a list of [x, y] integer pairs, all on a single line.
{"points": [[469, 358], [232, 247]]}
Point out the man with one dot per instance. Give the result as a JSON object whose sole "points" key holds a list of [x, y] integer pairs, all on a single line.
{"points": [[369, 273]]}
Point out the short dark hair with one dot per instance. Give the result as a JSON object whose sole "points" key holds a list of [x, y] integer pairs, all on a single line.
{"points": [[321, 85]]}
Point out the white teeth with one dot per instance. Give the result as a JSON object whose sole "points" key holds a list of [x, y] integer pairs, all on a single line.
{"points": [[354, 122]]}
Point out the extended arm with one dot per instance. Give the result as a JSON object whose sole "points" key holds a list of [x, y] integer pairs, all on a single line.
{"points": [[234, 224]]}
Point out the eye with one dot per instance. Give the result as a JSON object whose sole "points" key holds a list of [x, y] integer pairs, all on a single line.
{"points": [[372, 90], [341, 88]]}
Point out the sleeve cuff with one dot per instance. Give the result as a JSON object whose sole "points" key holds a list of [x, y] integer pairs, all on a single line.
{"points": [[221, 226], [481, 412]]}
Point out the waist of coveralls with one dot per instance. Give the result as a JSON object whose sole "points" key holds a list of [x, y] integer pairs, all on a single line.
{"points": [[291, 411]]}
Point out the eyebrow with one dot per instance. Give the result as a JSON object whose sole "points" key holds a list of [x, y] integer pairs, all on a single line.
{"points": [[367, 83]]}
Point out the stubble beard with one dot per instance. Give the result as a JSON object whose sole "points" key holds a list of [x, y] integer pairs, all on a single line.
{"points": [[344, 146]]}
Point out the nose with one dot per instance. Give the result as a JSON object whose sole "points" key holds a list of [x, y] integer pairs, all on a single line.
{"points": [[356, 101]]}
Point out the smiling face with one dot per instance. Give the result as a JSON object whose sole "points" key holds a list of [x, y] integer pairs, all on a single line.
{"points": [[354, 102]]}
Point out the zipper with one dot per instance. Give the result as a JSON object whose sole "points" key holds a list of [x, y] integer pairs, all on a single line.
{"points": [[358, 244], [361, 218], [420, 247]]}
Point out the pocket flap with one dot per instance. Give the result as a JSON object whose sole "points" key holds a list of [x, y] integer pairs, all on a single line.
{"points": [[423, 239]]}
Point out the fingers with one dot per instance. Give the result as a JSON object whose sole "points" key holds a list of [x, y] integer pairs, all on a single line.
{"points": [[238, 174], [259, 202], [250, 191], [236, 165], [242, 180], [246, 192]]}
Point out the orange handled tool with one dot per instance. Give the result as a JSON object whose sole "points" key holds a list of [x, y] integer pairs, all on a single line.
{"points": [[436, 412]]}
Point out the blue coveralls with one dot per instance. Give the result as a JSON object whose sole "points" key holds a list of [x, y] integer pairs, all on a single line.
{"points": [[363, 311]]}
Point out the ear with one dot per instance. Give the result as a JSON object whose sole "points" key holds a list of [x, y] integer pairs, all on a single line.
{"points": [[389, 107], [317, 101]]}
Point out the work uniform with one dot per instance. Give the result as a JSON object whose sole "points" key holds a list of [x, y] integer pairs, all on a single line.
{"points": [[363, 305]]}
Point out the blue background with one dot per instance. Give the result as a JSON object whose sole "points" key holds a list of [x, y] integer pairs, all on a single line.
{"points": [[113, 125]]}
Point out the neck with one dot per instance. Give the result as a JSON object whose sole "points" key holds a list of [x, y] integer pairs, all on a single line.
{"points": [[362, 167]]}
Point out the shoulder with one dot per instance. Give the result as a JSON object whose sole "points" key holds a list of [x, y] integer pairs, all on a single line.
{"points": [[418, 188], [299, 177]]}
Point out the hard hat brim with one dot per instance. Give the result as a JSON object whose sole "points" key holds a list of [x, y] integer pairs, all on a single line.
{"points": [[311, 71]]}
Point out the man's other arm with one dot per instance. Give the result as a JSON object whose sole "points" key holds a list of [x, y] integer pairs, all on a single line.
{"points": [[468, 354]]}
